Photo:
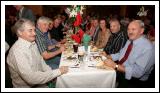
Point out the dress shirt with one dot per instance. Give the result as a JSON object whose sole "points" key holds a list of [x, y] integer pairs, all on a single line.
{"points": [[141, 60], [27, 67]]}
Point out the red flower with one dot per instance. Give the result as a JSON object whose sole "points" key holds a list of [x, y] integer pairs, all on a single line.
{"points": [[78, 20], [81, 33], [78, 36]]}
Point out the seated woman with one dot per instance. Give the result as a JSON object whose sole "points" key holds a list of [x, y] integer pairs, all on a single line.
{"points": [[103, 35]]}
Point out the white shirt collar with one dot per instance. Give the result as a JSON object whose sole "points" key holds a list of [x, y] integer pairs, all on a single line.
{"points": [[138, 40], [26, 43]]}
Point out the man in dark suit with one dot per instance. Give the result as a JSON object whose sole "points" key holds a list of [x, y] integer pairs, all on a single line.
{"points": [[24, 12]]}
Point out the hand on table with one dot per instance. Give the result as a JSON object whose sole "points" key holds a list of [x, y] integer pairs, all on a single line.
{"points": [[58, 44], [63, 41], [110, 63], [63, 69], [103, 53], [62, 48]]}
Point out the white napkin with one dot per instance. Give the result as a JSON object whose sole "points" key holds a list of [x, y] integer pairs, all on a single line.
{"points": [[103, 58]]}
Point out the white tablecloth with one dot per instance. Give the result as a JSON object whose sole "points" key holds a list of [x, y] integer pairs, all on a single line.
{"points": [[85, 77]]}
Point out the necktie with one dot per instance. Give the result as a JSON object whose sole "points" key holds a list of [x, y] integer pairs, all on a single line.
{"points": [[127, 53]]}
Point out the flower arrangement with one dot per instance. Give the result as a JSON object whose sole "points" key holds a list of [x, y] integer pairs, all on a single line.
{"points": [[75, 12], [74, 9]]}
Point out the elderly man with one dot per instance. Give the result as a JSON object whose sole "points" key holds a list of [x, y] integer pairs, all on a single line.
{"points": [[136, 59], [51, 58], [26, 65], [118, 38]]}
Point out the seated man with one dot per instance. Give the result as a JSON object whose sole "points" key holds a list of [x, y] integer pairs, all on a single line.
{"points": [[51, 42], [26, 65], [56, 32], [50, 57], [136, 59], [94, 29], [117, 39]]}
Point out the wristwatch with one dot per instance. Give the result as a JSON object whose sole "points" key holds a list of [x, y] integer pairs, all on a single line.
{"points": [[116, 67]]}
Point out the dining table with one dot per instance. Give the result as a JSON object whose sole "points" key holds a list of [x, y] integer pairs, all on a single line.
{"points": [[83, 71]]}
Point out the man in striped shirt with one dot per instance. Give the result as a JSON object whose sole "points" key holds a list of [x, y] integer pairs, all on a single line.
{"points": [[118, 38], [51, 58]]}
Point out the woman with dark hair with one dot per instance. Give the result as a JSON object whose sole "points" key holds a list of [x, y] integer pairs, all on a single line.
{"points": [[103, 35]]}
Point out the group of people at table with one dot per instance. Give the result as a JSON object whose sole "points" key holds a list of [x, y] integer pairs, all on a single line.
{"points": [[34, 58]]}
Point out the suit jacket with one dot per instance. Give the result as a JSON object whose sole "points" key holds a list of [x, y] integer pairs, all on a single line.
{"points": [[27, 13]]}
